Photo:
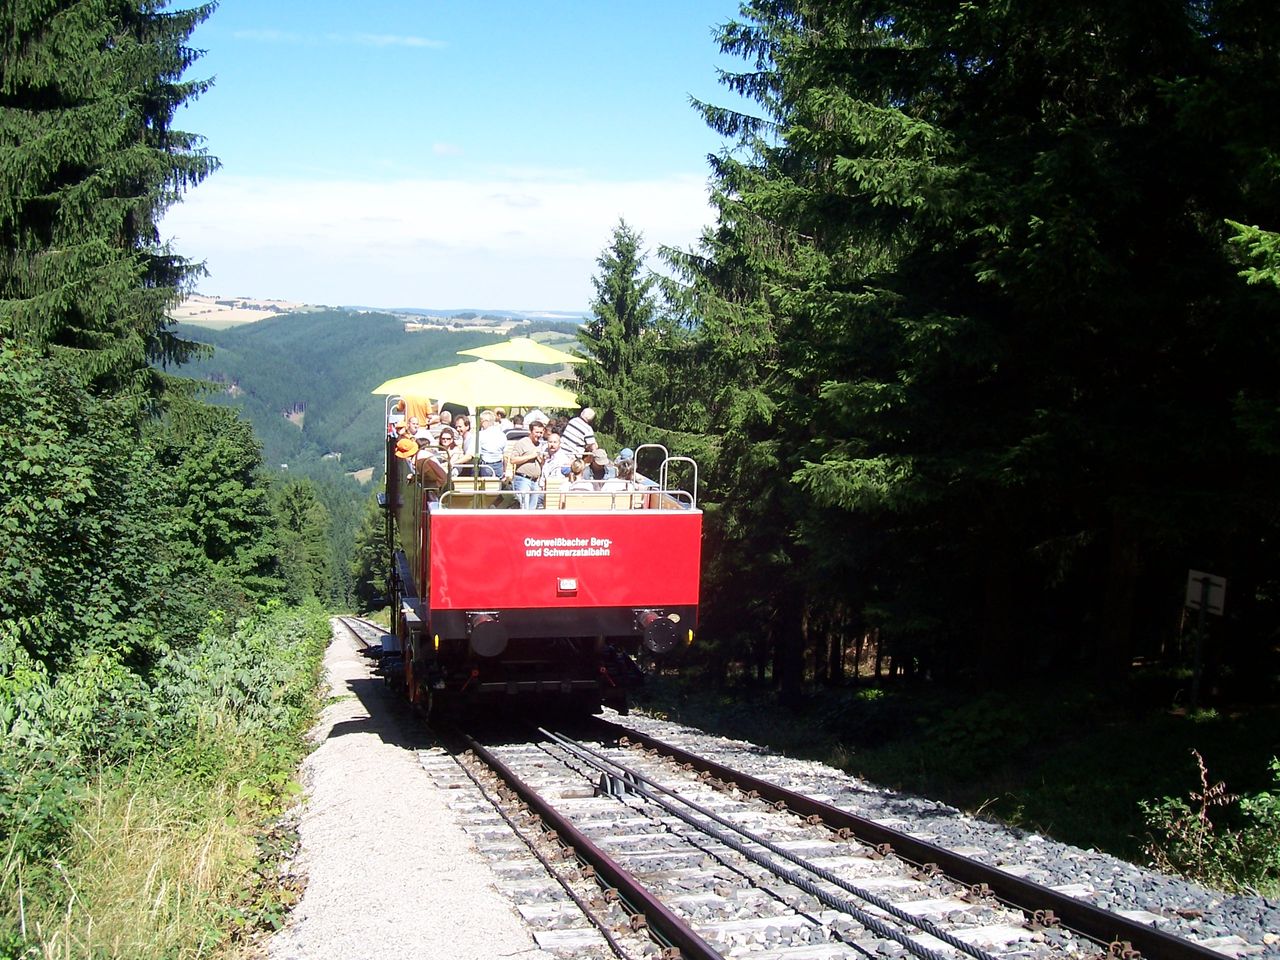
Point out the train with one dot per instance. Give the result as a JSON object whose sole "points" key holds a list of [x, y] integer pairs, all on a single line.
{"points": [[496, 607]]}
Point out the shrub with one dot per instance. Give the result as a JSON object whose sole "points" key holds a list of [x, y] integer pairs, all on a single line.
{"points": [[1240, 853]]}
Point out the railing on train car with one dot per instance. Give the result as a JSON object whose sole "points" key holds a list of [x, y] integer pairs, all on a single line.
{"points": [[468, 497]]}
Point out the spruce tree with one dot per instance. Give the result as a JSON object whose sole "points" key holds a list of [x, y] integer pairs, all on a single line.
{"points": [[622, 314], [89, 162], [976, 264]]}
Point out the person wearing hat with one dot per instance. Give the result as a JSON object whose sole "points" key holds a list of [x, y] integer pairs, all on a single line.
{"points": [[599, 469], [406, 450]]}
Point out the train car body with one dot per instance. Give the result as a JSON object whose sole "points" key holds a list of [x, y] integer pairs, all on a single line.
{"points": [[496, 604]]}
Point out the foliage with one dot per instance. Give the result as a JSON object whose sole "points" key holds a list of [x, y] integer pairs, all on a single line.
{"points": [[78, 496], [370, 561], [974, 349], [222, 526], [91, 162], [1242, 859], [303, 522], [166, 803]]}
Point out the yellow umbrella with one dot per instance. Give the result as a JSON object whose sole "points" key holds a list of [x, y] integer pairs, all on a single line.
{"points": [[480, 382], [522, 350]]}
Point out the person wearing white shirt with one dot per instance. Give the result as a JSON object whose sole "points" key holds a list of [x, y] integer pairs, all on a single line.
{"points": [[493, 440]]}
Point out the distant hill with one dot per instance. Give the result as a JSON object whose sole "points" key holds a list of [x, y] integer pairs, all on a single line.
{"points": [[303, 380]]}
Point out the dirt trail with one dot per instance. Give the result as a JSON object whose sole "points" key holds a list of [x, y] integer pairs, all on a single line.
{"points": [[390, 873]]}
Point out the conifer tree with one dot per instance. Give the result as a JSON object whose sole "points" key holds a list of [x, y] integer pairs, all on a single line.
{"points": [[622, 314], [977, 263], [89, 162]]}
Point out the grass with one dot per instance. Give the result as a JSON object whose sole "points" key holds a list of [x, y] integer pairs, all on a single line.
{"points": [[174, 853], [150, 866], [1063, 759]]}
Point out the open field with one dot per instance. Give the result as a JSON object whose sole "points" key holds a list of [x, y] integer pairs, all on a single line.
{"points": [[219, 313]]}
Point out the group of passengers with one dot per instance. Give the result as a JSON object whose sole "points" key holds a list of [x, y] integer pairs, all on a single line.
{"points": [[531, 453]]}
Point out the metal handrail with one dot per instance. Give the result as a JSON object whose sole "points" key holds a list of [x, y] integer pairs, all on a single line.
{"points": [[682, 498], [662, 476]]}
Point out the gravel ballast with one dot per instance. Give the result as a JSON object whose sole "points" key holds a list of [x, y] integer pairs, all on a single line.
{"points": [[390, 873], [1236, 926]]}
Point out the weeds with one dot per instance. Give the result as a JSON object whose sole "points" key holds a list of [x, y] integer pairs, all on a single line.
{"points": [[158, 851], [1244, 858]]}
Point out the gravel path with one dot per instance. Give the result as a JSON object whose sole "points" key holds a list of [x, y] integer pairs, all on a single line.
{"points": [[390, 873]]}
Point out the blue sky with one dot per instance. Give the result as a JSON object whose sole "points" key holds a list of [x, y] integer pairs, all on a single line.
{"points": [[445, 154]]}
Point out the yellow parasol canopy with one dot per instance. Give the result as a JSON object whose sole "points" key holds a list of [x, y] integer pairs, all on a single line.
{"points": [[477, 383], [522, 350]]}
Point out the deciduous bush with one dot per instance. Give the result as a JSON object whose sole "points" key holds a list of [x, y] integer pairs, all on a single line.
{"points": [[1240, 852]]}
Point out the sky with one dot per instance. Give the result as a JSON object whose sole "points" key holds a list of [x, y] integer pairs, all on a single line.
{"points": [[423, 153]]}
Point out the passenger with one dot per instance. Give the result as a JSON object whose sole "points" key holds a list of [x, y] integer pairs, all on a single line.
{"points": [[527, 455], [410, 427], [450, 455], [535, 415], [395, 419], [518, 430], [578, 437], [492, 443], [500, 418], [435, 423], [637, 480], [624, 476], [577, 477], [599, 469], [558, 458], [406, 450]]}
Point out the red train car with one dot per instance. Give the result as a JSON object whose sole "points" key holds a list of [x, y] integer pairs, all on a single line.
{"points": [[493, 603]]}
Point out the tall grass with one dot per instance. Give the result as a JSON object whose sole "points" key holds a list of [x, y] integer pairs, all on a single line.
{"points": [[148, 872], [159, 853]]}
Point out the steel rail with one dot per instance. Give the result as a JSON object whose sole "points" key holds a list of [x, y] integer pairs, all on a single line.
{"points": [[548, 866], [1093, 922], [659, 917], [653, 791]]}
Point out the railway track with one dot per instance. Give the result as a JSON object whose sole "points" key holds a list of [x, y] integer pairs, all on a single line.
{"points": [[365, 632], [619, 844], [722, 864]]}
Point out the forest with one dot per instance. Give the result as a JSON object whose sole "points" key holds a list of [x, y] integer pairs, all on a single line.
{"points": [[978, 355], [162, 599]]}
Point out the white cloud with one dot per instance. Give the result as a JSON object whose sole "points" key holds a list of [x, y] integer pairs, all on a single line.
{"points": [[446, 150], [389, 40], [344, 39], [529, 243]]}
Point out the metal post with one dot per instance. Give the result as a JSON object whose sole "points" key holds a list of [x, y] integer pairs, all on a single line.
{"points": [[1199, 654]]}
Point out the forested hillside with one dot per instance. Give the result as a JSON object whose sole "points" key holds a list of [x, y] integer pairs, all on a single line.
{"points": [[322, 366]]}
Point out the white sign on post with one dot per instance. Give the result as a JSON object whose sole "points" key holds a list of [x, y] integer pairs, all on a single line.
{"points": [[1214, 598]]}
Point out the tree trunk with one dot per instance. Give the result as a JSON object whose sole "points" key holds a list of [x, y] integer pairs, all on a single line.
{"points": [[835, 654], [1114, 651], [789, 648], [997, 659]]}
